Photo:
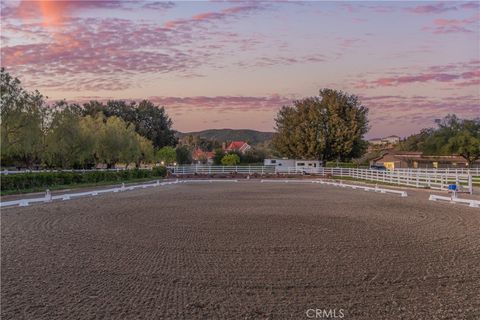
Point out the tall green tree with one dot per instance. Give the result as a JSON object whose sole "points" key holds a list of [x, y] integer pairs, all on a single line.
{"points": [[451, 136], [92, 129], [145, 150], [183, 155], [153, 123], [415, 142], [455, 136], [117, 142], [218, 155], [68, 143], [330, 126], [149, 120], [23, 122]]}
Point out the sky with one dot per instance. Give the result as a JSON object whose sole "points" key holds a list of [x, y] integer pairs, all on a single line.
{"points": [[231, 64]]}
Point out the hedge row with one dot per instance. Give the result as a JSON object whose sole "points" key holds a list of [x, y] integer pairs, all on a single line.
{"points": [[23, 181]]}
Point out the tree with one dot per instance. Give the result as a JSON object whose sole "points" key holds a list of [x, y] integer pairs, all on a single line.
{"points": [[145, 150], [253, 156], [116, 142], [467, 144], [452, 136], [69, 135], [68, 143], [415, 142], [330, 126], [153, 123], [23, 122], [230, 159], [183, 155], [92, 128], [167, 155], [149, 120], [455, 136], [218, 155]]}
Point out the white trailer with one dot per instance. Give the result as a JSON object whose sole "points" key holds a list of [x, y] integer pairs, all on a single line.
{"points": [[293, 165]]}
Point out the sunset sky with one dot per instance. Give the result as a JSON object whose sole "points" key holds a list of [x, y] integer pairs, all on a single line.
{"points": [[223, 64]]}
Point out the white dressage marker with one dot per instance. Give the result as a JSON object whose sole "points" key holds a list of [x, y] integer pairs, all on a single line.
{"points": [[471, 203], [343, 185]]}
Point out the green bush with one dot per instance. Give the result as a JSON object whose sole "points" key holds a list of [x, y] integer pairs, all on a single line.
{"points": [[159, 171], [36, 180]]}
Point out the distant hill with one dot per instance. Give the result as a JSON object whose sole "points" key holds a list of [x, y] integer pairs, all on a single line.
{"points": [[253, 137]]}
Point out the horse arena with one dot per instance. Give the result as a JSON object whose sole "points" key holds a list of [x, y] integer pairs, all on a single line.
{"points": [[245, 250]]}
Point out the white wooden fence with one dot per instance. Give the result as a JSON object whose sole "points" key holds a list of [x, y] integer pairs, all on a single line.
{"points": [[419, 178], [438, 179]]}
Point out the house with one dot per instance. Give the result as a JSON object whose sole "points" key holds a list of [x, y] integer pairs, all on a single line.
{"points": [[392, 159], [390, 140], [202, 157], [376, 141], [240, 146], [285, 164]]}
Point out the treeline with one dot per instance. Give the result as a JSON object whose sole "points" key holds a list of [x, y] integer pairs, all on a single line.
{"points": [[451, 136], [65, 135]]}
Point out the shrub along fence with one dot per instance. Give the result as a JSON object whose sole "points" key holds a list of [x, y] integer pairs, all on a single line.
{"points": [[36, 180]]}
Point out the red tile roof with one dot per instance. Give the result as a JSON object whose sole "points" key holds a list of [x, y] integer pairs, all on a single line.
{"points": [[199, 153], [236, 145]]}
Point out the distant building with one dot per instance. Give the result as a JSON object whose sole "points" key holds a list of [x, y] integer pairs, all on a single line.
{"points": [[376, 141], [409, 159], [204, 157], [240, 146], [285, 164], [390, 140]]}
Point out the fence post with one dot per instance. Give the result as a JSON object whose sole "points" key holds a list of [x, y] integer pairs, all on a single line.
{"points": [[48, 196], [470, 183]]}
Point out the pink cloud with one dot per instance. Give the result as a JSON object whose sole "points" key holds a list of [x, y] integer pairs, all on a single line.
{"points": [[54, 12], [445, 26], [462, 74], [471, 5], [404, 115], [93, 49], [211, 16], [432, 8], [357, 7], [224, 103], [441, 7], [282, 60]]}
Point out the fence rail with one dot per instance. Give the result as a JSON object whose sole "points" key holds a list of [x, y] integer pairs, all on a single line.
{"points": [[438, 179], [258, 169], [420, 178], [5, 172]]}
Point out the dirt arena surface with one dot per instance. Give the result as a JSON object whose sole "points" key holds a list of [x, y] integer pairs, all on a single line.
{"points": [[241, 250]]}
